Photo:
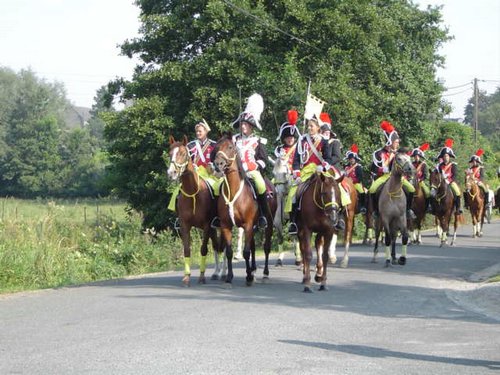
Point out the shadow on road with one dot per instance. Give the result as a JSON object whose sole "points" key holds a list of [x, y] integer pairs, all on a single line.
{"points": [[370, 351]]}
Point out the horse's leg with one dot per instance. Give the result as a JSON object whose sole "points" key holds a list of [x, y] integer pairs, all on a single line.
{"points": [[186, 243], [204, 252], [455, 226], [226, 238], [443, 220], [319, 243], [387, 243], [332, 251], [377, 236], [268, 233], [218, 254], [349, 224], [326, 244], [305, 246], [239, 249], [278, 224], [404, 248], [298, 254], [247, 250], [394, 238]]}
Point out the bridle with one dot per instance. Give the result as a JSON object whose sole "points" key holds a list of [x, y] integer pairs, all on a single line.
{"points": [[322, 204]]}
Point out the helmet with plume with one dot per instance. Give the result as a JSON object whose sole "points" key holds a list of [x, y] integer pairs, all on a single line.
{"points": [[477, 156], [353, 153], [252, 112], [389, 131], [289, 128], [447, 149], [420, 151]]}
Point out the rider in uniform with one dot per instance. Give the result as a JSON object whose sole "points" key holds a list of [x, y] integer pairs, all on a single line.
{"points": [[312, 155], [199, 151], [450, 171], [381, 168], [422, 172], [287, 136], [354, 171], [252, 152], [476, 171]]}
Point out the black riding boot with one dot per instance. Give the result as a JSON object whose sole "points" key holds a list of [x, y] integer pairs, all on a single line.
{"points": [[264, 210], [409, 201], [457, 205], [292, 228], [215, 222], [340, 225], [362, 203]]}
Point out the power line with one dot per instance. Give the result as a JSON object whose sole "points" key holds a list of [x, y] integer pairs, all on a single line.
{"points": [[457, 93], [265, 23], [457, 87]]}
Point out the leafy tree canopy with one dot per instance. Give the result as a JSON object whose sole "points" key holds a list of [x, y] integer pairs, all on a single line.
{"points": [[369, 60]]}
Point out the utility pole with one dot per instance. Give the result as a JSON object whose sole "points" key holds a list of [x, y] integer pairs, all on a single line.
{"points": [[476, 110]]}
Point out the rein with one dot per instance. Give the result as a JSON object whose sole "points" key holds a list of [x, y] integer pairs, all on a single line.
{"points": [[324, 205], [194, 194], [438, 198]]}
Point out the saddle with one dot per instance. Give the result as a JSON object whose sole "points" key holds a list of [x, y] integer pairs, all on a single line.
{"points": [[269, 188], [301, 188]]}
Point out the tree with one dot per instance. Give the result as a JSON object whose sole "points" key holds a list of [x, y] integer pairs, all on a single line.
{"points": [[369, 61]]}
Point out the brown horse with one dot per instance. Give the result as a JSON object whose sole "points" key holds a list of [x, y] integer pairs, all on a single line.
{"points": [[419, 208], [443, 206], [392, 210], [318, 213], [237, 206], [349, 212], [475, 199], [195, 206]]}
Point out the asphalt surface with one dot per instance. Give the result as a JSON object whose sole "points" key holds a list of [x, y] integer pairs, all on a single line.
{"points": [[434, 315]]}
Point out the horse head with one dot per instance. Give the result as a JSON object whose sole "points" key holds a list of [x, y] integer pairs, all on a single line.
{"points": [[225, 154], [281, 171], [402, 164], [469, 183], [438, 183], [329, 196], [179, 158]]}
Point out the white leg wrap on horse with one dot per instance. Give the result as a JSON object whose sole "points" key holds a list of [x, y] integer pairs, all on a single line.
{"points": [[387, 252], [404, 248]]}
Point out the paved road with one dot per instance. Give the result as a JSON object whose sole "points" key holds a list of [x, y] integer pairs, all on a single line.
{"points": [[423, 318]]}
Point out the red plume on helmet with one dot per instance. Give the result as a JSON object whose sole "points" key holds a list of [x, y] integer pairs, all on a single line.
{"points": [[325, 117], [387, 126], [480, 152], [448, 143], [424, 147], [354, 148], [293, 116]]}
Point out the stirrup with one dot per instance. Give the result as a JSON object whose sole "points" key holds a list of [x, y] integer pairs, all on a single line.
{"points": [[177, 224], [340, 224], [292, 228], [428, 209], [215, 224], [411, 214], [262, 222], [362, 210]]}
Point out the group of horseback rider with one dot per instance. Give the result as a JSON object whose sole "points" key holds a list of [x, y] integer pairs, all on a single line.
{"points": [[319, 150]]}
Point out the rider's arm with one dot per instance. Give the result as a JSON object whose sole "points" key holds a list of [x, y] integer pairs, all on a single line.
{"points": [[261, 156]]}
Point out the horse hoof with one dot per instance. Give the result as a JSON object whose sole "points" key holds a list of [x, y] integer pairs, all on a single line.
{"points": [[307, 289], [224, 278], [186, 281], [344, 263], [394, 261], [214, 277], [387, 263], [298, 263], [402, 260], [265, 279], [202, 280], [317, 278], [279, 263], [323, 288], [333, 259]]}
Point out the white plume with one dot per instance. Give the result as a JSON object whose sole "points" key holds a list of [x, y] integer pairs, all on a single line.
{"points": [[255, 106]]}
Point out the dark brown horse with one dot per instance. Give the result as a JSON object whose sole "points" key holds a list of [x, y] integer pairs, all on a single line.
{"points": [[443, 206], [392, 210], [419, 208], [475, 199], [195, 206], [237, 206], [349, 213], [318, 213]]}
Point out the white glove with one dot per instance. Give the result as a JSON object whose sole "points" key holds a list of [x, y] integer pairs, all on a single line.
{"points": [[319, 168], [385, 169]]}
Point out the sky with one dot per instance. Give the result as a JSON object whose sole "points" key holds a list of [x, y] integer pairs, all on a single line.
{"points": [[76, 42]]}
